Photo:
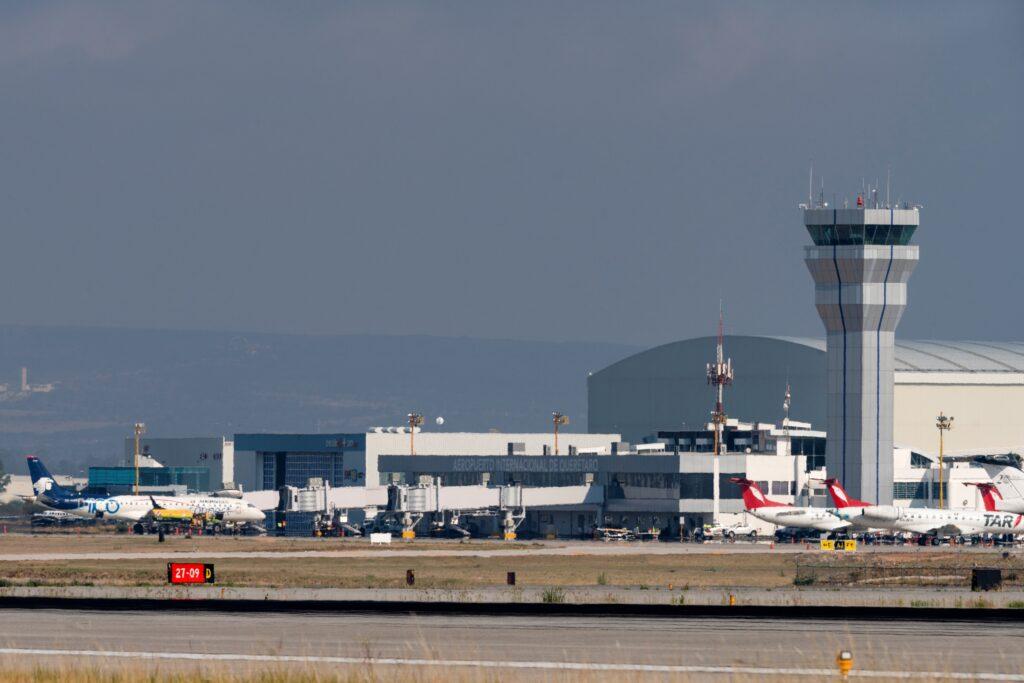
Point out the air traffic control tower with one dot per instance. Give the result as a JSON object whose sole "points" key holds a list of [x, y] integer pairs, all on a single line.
{"points": [[860, 261]]}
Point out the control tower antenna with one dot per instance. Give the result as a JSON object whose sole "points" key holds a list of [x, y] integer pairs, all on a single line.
{"points": [[719, 376], [888, 180], [810, 187]]}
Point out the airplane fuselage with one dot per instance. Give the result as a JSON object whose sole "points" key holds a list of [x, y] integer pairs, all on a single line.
{"points": [[801, 517], [134, 508], [928, 520]]}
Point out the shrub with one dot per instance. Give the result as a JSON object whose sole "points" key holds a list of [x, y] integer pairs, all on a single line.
{"points": [[553, 596]]}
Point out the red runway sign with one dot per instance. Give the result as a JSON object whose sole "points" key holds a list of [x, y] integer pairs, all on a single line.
{"points": [[190, 572]]}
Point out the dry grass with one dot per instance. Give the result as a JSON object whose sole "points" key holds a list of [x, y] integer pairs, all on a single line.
{"points": [[695, 571], [636, 569], [64, 541], [75, 672]]}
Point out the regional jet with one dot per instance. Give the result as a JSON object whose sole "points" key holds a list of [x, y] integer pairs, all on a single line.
{"points": [[784, 514], [929, 521], [51, 495]]}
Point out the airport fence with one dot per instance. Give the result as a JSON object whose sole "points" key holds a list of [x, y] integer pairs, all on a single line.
{"points": [[868, 574]]}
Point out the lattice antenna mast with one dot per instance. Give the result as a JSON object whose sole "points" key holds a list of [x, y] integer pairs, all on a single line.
{"points": [[720, 375]]}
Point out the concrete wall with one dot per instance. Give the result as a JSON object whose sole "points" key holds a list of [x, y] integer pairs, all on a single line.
{"points": [[988, 417], [475, 443]]}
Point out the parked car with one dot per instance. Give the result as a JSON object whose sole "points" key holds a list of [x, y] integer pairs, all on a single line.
{"points": [[731, 532]]}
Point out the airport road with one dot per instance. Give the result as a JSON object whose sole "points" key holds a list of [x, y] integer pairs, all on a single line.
{"points": [[780, 646]]}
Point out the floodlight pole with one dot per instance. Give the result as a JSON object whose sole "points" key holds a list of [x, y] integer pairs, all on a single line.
{"points": [[944, 424], [140, 429], [415, 420], [558, 419]]}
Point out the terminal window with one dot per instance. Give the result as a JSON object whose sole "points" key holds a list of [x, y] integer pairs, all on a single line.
{"points": [[910, 490], [301, 467], [697, 485]]}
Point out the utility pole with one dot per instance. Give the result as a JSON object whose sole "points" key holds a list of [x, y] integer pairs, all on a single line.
{"points": [[719, 376], [558, 419], [944, 424], [415, 421], [140, 429]]}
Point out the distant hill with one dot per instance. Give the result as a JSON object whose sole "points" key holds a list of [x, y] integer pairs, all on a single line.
{"points": [[218, 383]]}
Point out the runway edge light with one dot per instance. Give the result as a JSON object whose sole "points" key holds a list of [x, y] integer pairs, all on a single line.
{"points": [[844, 660]]}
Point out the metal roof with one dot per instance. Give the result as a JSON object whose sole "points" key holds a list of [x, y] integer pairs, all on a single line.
{"points": [[946, 356]]}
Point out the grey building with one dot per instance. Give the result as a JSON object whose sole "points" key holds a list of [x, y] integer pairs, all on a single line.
{"points": [[861, 260], [214, 454], [981, 383]]}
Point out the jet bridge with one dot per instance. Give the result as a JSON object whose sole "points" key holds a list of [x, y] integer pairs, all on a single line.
{"points": [[400, 508], [448, 505]]}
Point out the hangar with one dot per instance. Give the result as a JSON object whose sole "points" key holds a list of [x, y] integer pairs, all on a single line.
{"points": [[981, 384]]}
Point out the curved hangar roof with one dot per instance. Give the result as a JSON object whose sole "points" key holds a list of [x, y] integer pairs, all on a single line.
{"points": [[666, 385], [944, 356]]}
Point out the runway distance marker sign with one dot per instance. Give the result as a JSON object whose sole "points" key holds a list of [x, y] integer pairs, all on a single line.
{"points": [[839, 546], [189, 572]]}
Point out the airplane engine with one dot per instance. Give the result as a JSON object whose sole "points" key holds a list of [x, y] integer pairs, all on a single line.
{"points": [[883, 513]]}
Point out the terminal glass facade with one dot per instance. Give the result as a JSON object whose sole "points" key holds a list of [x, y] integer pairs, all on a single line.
{"points": [[296, 469], [194, 479], [910, 490]]}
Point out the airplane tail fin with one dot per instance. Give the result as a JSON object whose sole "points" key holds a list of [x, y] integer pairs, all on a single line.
{"points": [[840, 497], [753, 498], [43, 481], [1006, 475], [989, 493]]}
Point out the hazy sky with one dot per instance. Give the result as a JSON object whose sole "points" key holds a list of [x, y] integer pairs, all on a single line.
{"points": [[550, 170]]}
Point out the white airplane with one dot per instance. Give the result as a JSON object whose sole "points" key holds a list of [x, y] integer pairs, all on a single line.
{"points": [[928, 521], [51, 495], [1008, 481], [784, 514]]}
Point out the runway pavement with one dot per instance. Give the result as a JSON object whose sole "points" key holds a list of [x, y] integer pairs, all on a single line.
{"points": [[707, 646]]}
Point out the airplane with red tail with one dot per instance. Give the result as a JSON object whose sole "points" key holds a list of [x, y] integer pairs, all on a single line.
{"points": [[930, 521], [989, 495], [1008, 478], [783, 514]]}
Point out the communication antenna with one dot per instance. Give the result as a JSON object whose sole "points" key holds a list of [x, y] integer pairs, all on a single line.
{"points": [[785, 408], [810, 187], [888, 178], [720, 375]]}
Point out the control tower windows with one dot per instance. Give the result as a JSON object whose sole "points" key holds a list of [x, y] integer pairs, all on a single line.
{"points": [[828, 235]]}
